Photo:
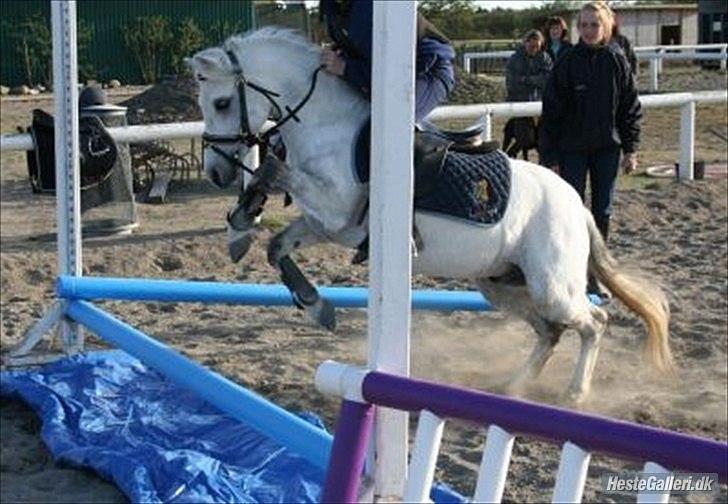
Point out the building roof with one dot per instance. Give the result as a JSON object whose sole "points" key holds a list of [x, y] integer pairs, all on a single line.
{"points": [[647, 7]]}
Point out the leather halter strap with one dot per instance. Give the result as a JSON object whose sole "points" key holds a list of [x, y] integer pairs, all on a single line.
{"points": [[244, 134]]}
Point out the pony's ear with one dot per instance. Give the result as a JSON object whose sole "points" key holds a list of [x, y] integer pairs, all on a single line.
{"points": [[208, 61]]}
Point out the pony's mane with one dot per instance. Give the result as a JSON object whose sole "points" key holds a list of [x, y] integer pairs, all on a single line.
{"points": [[276, 34]]}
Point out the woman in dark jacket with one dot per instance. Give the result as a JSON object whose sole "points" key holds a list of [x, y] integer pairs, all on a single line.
{"points": [[557, 37], [591, 112]]}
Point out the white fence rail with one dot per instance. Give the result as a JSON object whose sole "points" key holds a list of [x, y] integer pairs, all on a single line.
{"points": [[654, 54], [479, 112], [686, 102]]}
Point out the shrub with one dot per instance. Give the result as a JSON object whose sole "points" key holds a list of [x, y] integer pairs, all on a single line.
{"points": [[149, 39]]}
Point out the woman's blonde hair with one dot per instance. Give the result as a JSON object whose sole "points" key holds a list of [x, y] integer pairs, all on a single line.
{"points": [[603, 13]]}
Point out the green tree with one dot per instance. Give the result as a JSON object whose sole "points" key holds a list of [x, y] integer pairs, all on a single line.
{"points": [[455, 18], [32, 37], [189, 38], [149, 38]]}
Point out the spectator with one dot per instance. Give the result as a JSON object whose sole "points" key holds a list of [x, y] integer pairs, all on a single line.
{"points": [[349, 24], [622, 43], [557, 37], [527, 69], [591, 110]]}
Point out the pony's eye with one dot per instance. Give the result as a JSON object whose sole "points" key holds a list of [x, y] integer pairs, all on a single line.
{"points": [[221, 103]]}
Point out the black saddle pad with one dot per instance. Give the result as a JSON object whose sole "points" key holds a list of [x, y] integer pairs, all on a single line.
{"points": [[474, 187]]}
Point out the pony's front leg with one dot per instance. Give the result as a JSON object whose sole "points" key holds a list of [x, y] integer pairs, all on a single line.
{"points": [[242, 220], [305, 296]]}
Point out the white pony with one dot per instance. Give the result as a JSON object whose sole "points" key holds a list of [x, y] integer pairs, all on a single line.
{"points": [[545, 230]]}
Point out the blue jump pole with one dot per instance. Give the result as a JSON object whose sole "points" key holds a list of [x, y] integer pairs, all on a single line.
{"points": [[287, 429], [139, 289]]}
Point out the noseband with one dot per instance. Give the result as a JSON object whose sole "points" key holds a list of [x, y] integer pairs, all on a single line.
{"points": [[244, 134]]}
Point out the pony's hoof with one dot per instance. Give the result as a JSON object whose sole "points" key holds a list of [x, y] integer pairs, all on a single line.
{"points": [[575, 398], [239, 246], [323, 313]]}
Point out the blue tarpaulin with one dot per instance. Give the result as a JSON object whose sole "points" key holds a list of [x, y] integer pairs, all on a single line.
{"points": [[159, 442], [156, 441]]}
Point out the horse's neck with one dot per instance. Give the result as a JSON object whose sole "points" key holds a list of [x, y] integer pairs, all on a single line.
{"points": [[329, 119]]}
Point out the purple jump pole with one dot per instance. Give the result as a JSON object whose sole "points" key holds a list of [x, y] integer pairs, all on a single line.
{"points": [[590, 432], [348, 452]]}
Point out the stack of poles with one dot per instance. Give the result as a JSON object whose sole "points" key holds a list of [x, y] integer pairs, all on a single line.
{"points": [[580, 434]]}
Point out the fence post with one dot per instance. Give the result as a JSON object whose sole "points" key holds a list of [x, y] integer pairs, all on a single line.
{"points": [[466, 63], [687, 141], [660, 51], [488, 126], [723, 52], [654, 73]]}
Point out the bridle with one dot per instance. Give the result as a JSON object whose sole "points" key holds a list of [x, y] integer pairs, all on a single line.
{"points": [[244, 134]]}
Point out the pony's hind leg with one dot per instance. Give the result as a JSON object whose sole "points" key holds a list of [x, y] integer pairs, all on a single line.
{"points": [[549, 335], [515, 299], [591, 330]]}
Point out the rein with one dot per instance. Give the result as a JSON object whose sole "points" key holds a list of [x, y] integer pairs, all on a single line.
{"points": [[244, 134]]}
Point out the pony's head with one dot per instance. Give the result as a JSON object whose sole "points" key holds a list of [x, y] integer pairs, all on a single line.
{"points": [[233, 108]]}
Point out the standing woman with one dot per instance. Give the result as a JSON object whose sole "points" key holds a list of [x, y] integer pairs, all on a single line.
{"points": [[557, 37], [591, 112]]}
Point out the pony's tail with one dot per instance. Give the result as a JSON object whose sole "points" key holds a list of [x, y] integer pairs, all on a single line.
{"points": [[644, 299]]}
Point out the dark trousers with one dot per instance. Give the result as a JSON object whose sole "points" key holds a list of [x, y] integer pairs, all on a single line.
{"points": [[603, 168]]}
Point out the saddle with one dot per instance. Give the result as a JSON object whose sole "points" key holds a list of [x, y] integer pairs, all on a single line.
{"points": [[455, 174], [431, 146], [98, 152]]}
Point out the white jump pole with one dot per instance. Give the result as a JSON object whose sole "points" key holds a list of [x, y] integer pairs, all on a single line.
{"points": [[494, 465], [390, 227], [571, 476], [653, 498], [424, 458], [68, 192]]}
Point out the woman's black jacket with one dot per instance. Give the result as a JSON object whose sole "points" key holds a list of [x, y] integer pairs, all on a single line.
{"points": [[590, 103]]}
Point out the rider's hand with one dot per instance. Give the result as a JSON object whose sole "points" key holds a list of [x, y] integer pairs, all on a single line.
{"points": [[332, 61], [629, 163]]}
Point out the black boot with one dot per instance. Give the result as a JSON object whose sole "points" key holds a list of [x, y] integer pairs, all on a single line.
{"points": [[603, 226], [362, 252]]}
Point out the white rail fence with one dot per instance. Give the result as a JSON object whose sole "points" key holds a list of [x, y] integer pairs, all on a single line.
{"points": [[686, 102], [478, 112], [654, 54]]}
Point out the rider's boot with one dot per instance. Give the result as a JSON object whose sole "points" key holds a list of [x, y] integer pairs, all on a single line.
{"points": [[362, 250]]}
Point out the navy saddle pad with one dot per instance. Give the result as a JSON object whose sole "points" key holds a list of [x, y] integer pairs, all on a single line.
{"points": [[474, 187]]}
